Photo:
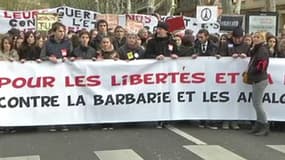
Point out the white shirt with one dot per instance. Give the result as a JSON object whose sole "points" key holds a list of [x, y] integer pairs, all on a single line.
{"points": [[204, 46]]}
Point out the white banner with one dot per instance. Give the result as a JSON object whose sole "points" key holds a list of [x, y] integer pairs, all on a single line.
{"points": [[77, 19], [74, 19], [22, 20], [147, 20], [142, 90]]}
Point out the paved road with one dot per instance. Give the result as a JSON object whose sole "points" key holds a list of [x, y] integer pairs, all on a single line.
{"points": [[180, 141]]}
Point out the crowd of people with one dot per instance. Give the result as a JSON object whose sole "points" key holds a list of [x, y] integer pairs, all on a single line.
{"points": [[101, 43]]}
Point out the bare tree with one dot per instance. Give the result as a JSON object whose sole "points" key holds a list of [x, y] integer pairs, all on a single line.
{"points": [[96, 3], [107, 8], [151, 6], [270, 5], [199, 2], [172, 7], [237, 7], [129, 6], [227, 6], [113, 6]]}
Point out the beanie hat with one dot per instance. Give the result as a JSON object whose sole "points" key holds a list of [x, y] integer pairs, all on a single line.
{"points": [[238, 32], [163, 25]]}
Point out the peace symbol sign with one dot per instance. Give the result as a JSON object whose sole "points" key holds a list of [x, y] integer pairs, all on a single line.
{"points": [[206, 14]]}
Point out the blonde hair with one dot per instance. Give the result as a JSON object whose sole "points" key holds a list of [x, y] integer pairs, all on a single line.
{"points": [[262, 35]]}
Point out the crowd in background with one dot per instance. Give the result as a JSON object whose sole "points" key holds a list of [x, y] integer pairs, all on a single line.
{"points": [[119, 44], [101, 43]]}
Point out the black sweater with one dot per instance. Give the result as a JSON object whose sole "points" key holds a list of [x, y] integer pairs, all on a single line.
{"points": [[29, 52], [128, 53], [160, 45], [84, 52]]}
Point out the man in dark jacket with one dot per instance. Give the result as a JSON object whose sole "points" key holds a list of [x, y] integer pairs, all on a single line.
{"points": [[237, 47], [102, 28], [84, 51], [57, 46], [162, 45], [203, 46]]}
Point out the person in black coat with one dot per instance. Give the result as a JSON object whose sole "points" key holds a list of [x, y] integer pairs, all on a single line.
{"points": [[84, 51], [186, 48], [272, 43], [281, 48], [162, 45], [237, 47], [102, 31], [119, 37], [203, 46], [131, 50], [57, 46], [29, 50], [257, 75], [223, 49]]}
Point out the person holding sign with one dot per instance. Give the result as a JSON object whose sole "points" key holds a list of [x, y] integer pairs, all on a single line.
{"points": [[223, 51], [186, 48], [162, 45], [57, 46], [144, 35], [102, 29], [237, 47], [257, 75], [107, 50], [84, 51], [29, 50], [7, 52], [120, 37], [131, 50], [203, 46], [272, 42]]}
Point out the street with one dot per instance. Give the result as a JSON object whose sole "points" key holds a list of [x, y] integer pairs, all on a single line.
{"points": [[178, 141]]}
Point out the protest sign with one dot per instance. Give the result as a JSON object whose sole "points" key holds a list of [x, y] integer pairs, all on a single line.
{"points": [[44, 21]]}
